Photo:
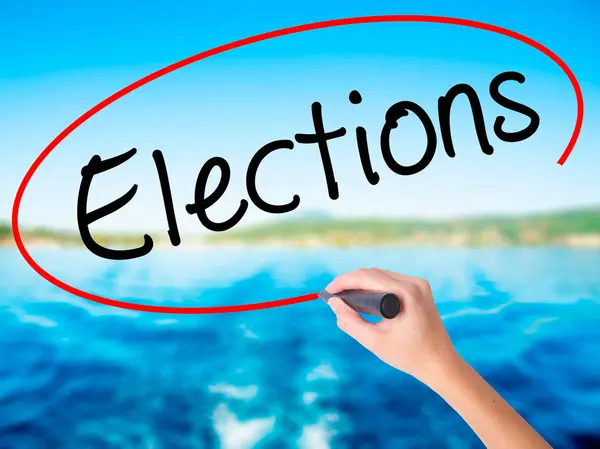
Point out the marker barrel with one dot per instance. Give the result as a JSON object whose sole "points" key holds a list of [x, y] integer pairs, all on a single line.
{"points": [[385, 305]]}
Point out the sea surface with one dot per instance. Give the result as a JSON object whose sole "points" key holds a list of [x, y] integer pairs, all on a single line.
{"points": [[76, 374]]}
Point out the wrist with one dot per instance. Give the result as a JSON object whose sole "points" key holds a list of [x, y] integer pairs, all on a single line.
{"points": [[442, 368]]}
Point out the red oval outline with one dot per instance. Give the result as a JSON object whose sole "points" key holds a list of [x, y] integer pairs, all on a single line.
{"points": [[221, 49]]}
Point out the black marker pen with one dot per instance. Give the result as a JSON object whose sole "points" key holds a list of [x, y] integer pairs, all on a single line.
{"points": [[386, 305]]}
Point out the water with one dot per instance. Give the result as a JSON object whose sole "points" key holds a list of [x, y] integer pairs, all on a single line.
{"points": [[75, 374]]}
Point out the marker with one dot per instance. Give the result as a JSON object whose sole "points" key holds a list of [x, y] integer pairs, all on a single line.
{"points": [[386, 305]]}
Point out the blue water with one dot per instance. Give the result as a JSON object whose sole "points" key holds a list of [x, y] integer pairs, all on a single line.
{"points": [[75, 374]]}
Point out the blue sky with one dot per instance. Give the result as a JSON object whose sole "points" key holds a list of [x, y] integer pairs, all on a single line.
{"points": [[59, 60]]}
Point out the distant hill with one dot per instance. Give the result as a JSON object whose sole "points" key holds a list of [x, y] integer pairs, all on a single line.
{"points": [[5, 230], [572, 227], [41, 235], [577, 227], [309, 215]]}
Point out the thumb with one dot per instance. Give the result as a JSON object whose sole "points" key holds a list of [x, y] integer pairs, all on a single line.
{"points": [[349, 321]]}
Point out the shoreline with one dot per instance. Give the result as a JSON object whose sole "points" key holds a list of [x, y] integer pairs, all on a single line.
{"points": [[282, 245], [575, 228]]}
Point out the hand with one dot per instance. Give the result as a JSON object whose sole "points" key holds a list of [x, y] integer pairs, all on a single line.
{"points": [[416, 341]]}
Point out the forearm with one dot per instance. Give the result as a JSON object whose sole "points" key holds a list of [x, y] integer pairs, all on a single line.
{"points": [[417, 343], [494, 421]]}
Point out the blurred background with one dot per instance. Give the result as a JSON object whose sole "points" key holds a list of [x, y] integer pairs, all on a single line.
{"points": [[510, 242]]}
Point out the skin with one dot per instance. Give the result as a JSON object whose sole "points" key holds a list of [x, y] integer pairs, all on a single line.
{"points": [[416, 342]]}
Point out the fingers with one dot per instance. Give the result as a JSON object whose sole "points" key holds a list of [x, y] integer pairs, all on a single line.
{"points": [[351, 323], [406, 287]]}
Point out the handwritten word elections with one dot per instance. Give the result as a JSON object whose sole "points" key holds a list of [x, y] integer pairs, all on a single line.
{"points": [[320, 137]]}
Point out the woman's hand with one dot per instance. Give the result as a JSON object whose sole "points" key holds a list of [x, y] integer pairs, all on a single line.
{"points": [[416, 341]]}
